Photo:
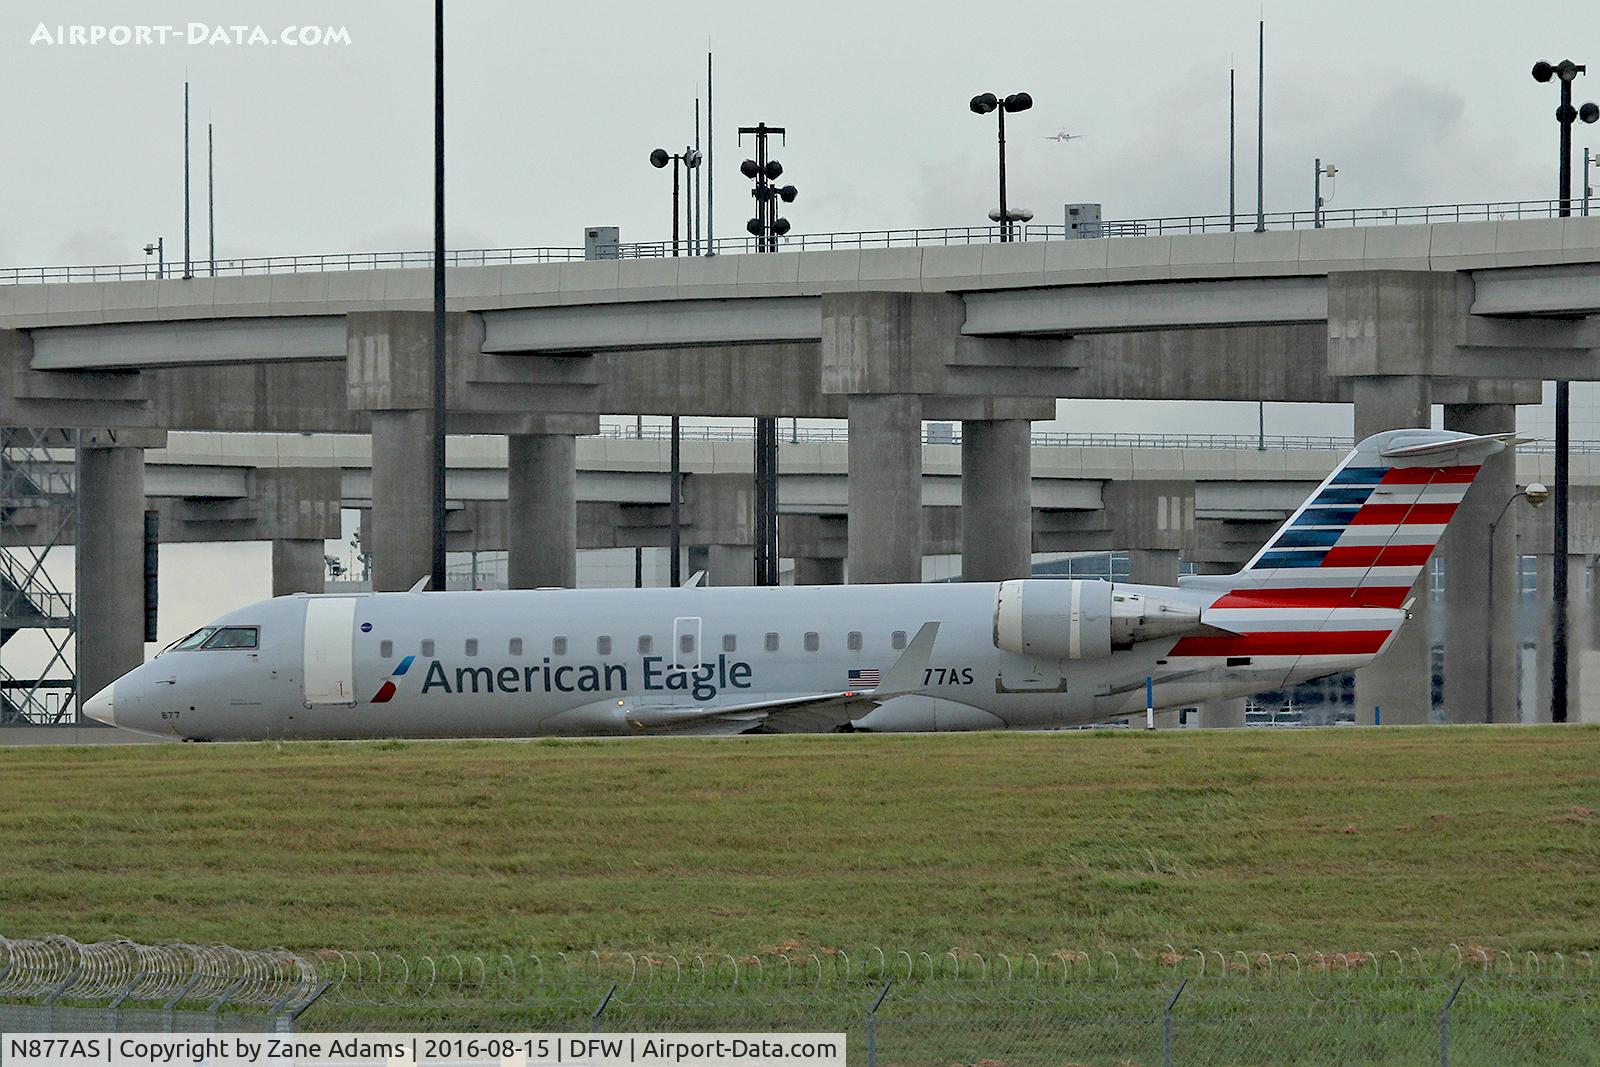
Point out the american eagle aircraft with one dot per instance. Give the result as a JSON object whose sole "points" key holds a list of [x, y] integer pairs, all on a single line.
{"points": [[1326, 594]]}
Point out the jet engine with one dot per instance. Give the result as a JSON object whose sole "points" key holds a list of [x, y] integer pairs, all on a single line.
{"points": [[1078, 619]]}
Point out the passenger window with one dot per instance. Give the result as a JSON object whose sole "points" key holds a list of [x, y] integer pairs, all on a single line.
{"points": [[730, 643], [646, 643], [898, 639], [233, 637], [472, 646], [515, 647], [772, 642], [558, 646], [813, 642], [853, 641], [386, 649], [686, 644], [602, 646], [427, 647]]}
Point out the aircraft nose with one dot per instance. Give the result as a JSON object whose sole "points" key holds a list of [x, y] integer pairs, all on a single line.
{"points": [[102, 706]]}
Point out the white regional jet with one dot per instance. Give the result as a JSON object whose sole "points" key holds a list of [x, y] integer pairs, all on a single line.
{"points": [[1326, 594]]}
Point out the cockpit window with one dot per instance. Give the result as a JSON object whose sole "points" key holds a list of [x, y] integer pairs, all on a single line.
{"points": [[194, 640], [234, 637]]}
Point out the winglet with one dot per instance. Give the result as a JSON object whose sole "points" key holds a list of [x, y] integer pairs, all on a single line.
{"points": [[694, 580], [909, 670], [422, 583]]}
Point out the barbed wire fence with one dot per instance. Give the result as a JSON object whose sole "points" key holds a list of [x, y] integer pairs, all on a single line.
{"points": [[1465, 1004]]}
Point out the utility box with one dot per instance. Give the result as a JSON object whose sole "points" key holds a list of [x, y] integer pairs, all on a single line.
{"points": [[1083, 220], [601, 242]]}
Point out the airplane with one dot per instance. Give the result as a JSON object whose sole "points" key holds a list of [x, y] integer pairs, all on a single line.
{"points": [[1326, 594], [1061, 136]]}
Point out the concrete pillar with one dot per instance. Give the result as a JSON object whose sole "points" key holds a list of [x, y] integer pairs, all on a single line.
{"points": [[542, 511], [1222, 713], [1157, 566], [1480, 635], [996, 500], [810, 570], [1577, 626], [885, 460], [110, 588], [401, 540], [730, 565], [1401, 680], [298, 566]]}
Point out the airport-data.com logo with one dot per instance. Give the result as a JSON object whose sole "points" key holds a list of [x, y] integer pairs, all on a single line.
{"points": [[191, 33]]}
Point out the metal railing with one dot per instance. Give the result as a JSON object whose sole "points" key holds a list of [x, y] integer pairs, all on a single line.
{"points": [[951, 435], [911, 237]]}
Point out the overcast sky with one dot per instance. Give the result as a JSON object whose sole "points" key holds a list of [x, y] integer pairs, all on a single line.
{"points": [[554, 108]]}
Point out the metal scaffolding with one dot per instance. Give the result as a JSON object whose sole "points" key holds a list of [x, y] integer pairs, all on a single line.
{"points": [[38, 510]]}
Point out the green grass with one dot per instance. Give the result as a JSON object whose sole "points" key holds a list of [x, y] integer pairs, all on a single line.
{"points": [[1331, 840]]}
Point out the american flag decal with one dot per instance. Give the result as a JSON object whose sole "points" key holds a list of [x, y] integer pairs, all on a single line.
{"points": [[865, 677]]}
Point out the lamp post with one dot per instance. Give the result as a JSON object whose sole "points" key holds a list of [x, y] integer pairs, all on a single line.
{"points": [[766, 228], [1316, 189], [159, 250], [982, 104], [690, 158], [1564, 72], [1536, 494], [1588, 190]]}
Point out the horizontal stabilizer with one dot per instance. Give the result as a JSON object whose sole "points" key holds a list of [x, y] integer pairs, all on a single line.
{"points": [[1482, 446]]}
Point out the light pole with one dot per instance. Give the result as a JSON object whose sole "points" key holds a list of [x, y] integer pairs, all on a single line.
{"points": [[159, 250], [689, 157], [982, 104], [1536, 494], [1316, 192], [1565, 72], [1588, 190], [766, 227]]}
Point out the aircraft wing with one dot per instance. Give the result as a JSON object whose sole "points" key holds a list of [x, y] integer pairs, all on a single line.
{"points": [[809, 713]]}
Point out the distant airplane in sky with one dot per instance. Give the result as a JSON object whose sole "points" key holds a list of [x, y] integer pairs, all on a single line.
{"points": [[1062, 136], [1326, 594]]}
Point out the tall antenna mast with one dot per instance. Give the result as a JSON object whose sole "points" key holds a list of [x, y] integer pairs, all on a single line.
{"points": [[1232, 184], [711, 174], [1261, 124], [211, 197], [188, 267]]}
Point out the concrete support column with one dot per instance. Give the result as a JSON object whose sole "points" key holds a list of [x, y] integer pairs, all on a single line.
{"points": [[542, 511], [110, 586], [1222, 713], [1480, 581], [1577, 625], [1401, 680], [885, 460], [810, 570], [298, 566], [996, 500], [730, 565], [1153, 566], [401, 538]]}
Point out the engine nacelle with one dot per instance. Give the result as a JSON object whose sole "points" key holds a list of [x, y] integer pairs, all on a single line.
{"points": [[1084, 619]]}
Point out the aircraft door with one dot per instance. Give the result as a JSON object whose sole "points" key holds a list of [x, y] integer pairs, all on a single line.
{"points": [[330, 651]]}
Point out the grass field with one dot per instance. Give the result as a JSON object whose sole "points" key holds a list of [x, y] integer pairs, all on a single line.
{"points": [[1335, 840]]}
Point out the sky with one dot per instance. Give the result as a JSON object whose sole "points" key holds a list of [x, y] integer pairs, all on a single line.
{"points": [[553, 108]]}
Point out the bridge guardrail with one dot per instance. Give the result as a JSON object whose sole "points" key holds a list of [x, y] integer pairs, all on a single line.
{"points": [[1418, 214]]}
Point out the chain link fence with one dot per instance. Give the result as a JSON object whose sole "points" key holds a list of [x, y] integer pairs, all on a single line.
{"points": [[1465, 1005]]}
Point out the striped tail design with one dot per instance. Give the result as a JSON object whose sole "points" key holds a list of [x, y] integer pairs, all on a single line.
{"points": [[1332, 582]]}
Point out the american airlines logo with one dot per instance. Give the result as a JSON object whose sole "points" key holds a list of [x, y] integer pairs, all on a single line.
{"points": [[702, 681]]}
